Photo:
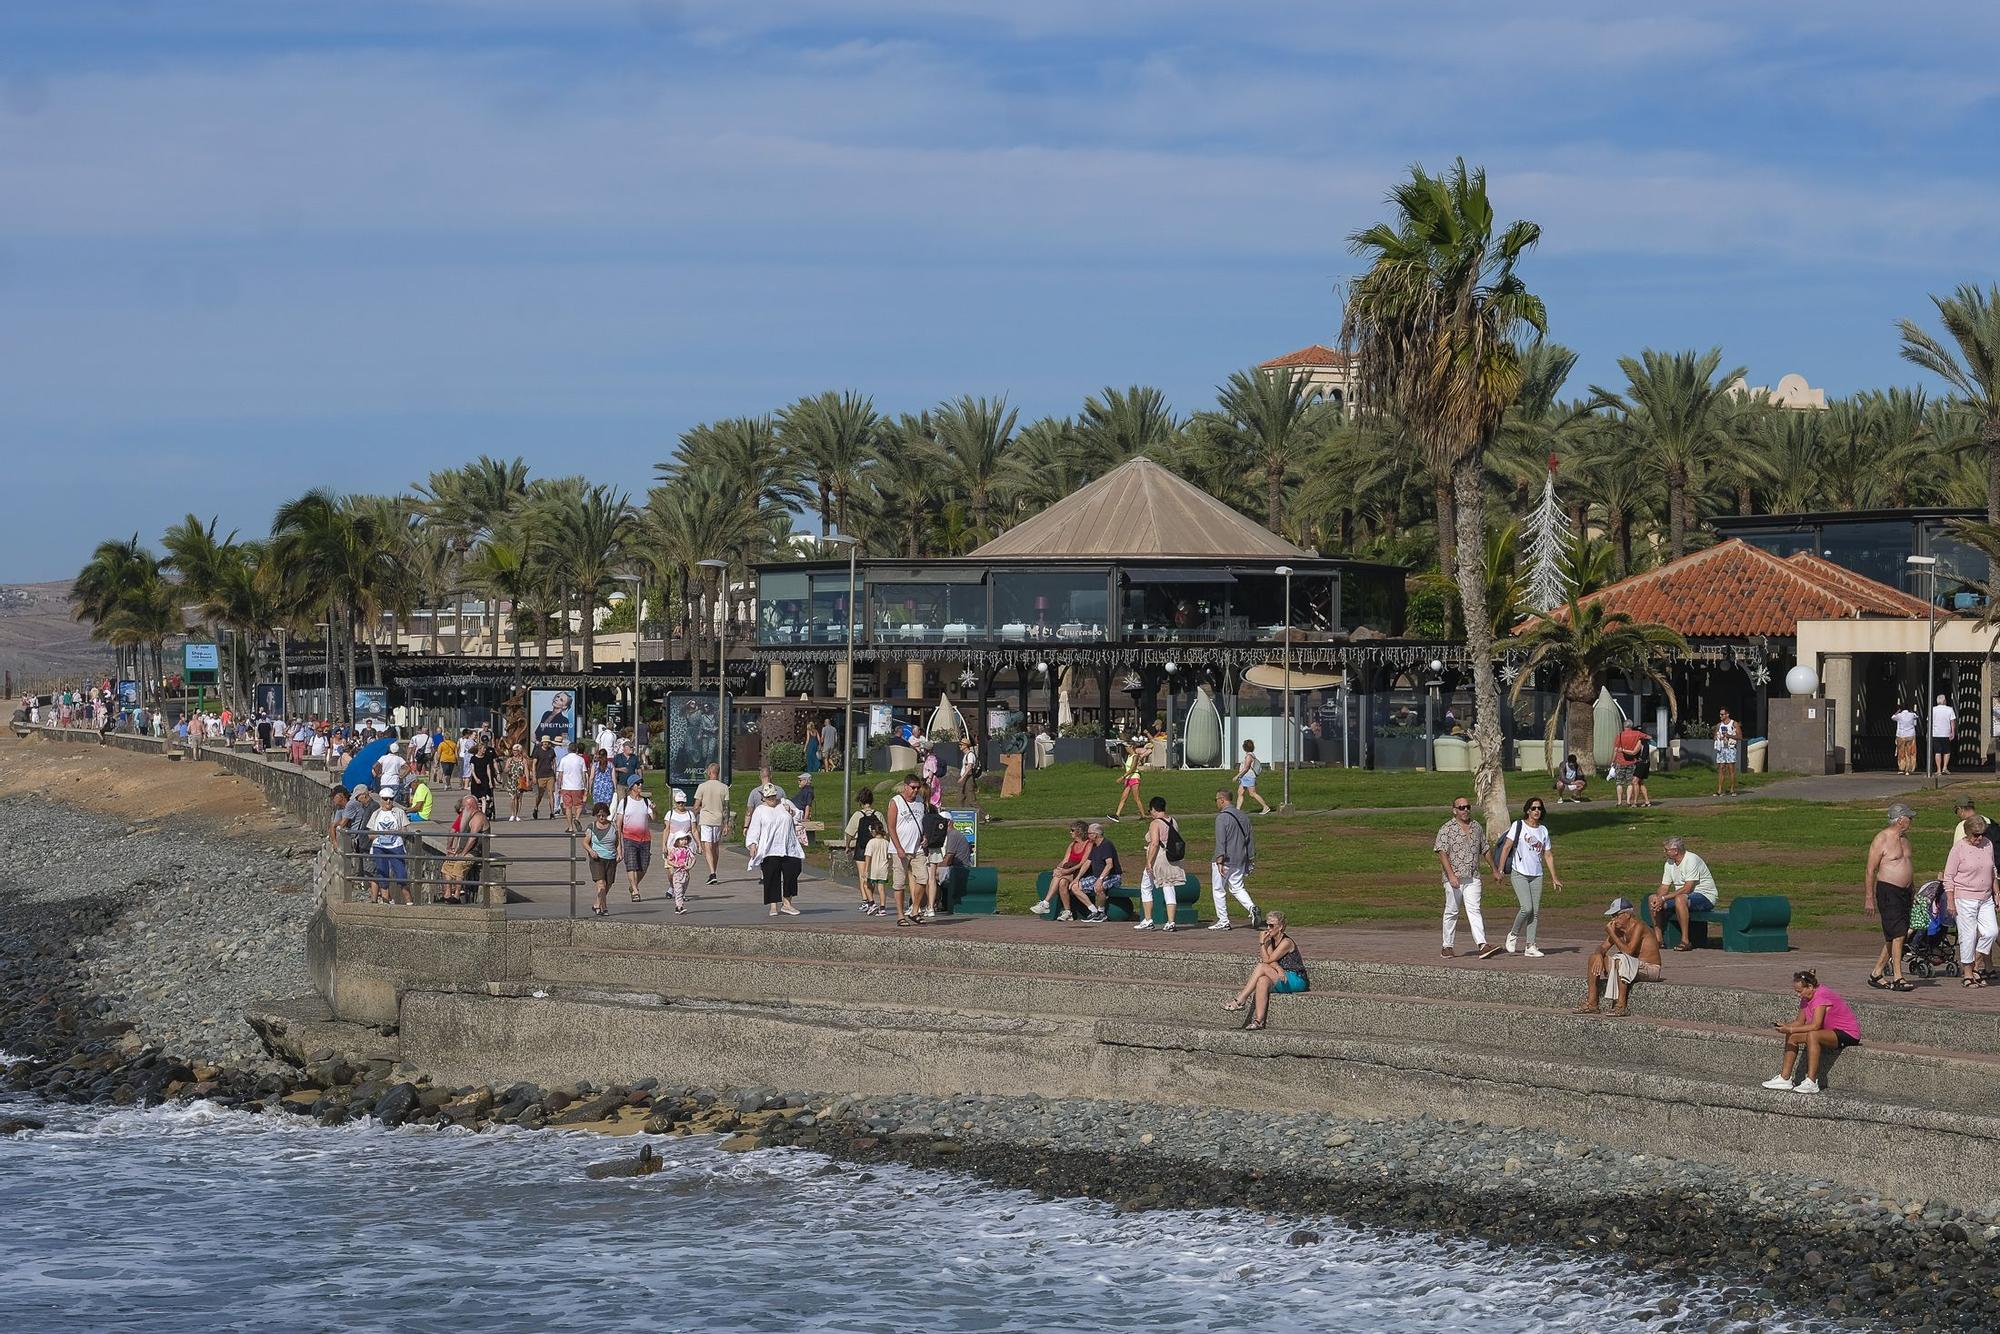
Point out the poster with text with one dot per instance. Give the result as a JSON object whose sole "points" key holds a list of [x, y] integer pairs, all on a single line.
{"points": [[695, 723], [965, 822], [371, 703], [128, 694], [269, 697], [554, 715]]}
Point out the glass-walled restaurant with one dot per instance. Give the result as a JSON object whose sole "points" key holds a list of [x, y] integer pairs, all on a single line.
{"points": [[1875, 543], [939, 603]]}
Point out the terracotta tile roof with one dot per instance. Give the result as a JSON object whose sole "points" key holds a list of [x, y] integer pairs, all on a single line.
{"points": [[1734, 590], [1317, 354], [1140, 509]]}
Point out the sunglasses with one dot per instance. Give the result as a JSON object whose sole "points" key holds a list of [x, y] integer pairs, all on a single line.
{"points": [[1461, 808], [1533, 809]]}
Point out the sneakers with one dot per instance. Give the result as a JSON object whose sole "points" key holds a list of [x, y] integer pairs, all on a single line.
{"points": [[1168, 926], [1777, 1082], [1489, 951], [1807, 1086], [1532, 953], [930, 914], [1256, 918], [1512, 941], [1097, 916], [1041, 908], [1144, 924], [714, 879], [1219, 926], [1066, 916]]}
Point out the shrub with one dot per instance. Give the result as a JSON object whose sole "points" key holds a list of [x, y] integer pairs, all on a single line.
{"points": [[1081, 727], [786, 757]]}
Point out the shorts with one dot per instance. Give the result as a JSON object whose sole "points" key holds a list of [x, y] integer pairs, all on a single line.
{"points": [[602, 869], [1247, 780], [1131, 780], [391, 867], [912, 871], [1893, 902], [638, 854], [1845, 1040], [1642, 770], [1291, 984], [1725, 754], [1092, 884], [1619, 773], [710, 833], [572, 799], [1700, 903]]}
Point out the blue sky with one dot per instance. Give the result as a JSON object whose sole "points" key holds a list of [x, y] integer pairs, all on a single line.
{"points": [[251, 246]]}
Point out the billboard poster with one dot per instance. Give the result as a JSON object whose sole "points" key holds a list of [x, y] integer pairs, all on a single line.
{"points": [[269, 699], [201, 658], [128, 694], [371, 702], [695, 722], [965, 822], [554, 712]]}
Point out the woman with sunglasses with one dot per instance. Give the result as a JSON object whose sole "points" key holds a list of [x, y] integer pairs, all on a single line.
{"points": [[1528, 855]]}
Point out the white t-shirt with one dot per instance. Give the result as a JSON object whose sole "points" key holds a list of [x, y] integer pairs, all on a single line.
{"points": [[909, 818], [392, 769], [1906, 722], [1943, 721], [388, 824], [573, 771], [1533, 842]]}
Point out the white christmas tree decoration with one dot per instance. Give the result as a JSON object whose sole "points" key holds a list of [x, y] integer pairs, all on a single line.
{"points": [[1549, 547]]}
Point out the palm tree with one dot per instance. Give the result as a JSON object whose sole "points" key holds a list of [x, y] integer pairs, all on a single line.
{"points": [[905, 490], [470, 503], [1120, 424], [116, 592], [835, 435], [1902, 427], [1971, 366], [1750, 430], [328, 551], [1435, 324], [1053, 459], [1582, 644], [1675, 403], [589, 538], [973, 435], [1279, 424]]}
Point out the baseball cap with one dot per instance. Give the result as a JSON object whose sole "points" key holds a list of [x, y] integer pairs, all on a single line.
{"points": [[805, 778], [679, 795], [636, 781], [395, 747], [1619, 906], [769, 790]]}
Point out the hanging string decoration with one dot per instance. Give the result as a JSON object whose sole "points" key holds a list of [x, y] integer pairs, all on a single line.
{"points": [[1550, 548]]}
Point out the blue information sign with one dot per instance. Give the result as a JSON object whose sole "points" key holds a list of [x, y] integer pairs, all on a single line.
{"points": [[201, 658]]}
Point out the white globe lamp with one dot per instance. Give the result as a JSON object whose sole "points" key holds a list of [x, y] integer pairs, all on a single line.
{"points": [[1802, 680]]}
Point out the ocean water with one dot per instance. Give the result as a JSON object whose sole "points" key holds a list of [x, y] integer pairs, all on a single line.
{"points": [[194, 1218]]}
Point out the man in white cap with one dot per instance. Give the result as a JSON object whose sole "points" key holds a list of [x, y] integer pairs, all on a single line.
{"points": [[389, 771], [1630, 953]]}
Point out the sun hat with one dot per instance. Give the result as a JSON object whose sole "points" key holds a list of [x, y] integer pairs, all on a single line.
{"points": [[805, 778], [635, 781], [1619, 906], [395, 748], [680, 795], [770, 791]]}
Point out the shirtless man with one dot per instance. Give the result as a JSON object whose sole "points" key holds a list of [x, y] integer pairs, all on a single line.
{"points": [[1630, 953], [1887, 889]]}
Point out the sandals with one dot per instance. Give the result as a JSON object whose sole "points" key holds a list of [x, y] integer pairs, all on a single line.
{"points": [[1902, 984], [1252, 1027], [1232, 1005], [635, 896], [1878, 982], [1683, 949]]}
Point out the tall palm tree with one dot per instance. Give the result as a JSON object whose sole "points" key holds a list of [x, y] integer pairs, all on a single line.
{"points": [[1279, 424], [1436, 325], [328, 551], [111, 591], [973, 435], [1675, 402], [1902, 428], [1582, 644], [1053, 459], [590, 540], [835, 436], [469, 504], [1971, 366], [905, 490]]}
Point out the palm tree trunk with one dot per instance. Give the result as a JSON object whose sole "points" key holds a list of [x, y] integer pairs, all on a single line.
{"points": [[1578, 696], [1446, 521], [1274, 496], [590, 631], [1990, 435], [1677, 482], [374, 657], [1469, 506], [284, 673]]}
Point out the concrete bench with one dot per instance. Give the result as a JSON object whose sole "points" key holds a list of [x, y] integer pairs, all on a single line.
{"points": [[1751, 924], [1122, 903], [971, 889]]}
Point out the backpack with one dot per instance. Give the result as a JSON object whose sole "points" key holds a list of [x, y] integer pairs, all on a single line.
{"points": [[1514, 834], [935, 828], [1176, 846]]}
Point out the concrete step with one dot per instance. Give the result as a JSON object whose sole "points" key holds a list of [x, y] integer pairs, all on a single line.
{"points": [[1919, 1027], [1886, 1072]]}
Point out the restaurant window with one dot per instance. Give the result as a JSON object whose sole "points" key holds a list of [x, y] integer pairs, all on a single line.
{"points": [[1058, 606], [782, 608], [1166, 606], [927, 613]]}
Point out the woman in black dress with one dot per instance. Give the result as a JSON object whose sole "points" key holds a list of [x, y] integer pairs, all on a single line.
{"points": [[479, 780]]}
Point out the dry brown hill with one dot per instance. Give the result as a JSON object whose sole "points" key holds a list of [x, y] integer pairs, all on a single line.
{"points": [[40, 641]]}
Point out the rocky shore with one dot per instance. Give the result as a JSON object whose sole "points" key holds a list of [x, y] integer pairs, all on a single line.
{"points": [[127, 953]]}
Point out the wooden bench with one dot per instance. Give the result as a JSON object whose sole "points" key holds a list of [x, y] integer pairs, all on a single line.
{"points": [[1122, 904], [1751, 924]]}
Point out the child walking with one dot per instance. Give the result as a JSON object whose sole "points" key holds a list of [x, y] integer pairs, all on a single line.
{"points": [[680, 866]]}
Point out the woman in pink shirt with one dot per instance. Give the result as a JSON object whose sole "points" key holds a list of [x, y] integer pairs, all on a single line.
{"points": [[1825, 1023], [1968, 886]]}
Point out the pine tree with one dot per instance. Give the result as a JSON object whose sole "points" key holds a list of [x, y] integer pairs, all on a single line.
{"points": [[1549, 548]]}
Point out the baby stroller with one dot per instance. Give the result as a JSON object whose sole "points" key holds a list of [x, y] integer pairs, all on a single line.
{"points": [[1932, 945]]}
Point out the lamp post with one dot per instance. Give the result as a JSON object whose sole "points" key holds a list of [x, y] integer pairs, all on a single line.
{"points": [[847, 694], [638, 756], [721, 568], [1285, 801], [1928, 565], [1431, 688]]}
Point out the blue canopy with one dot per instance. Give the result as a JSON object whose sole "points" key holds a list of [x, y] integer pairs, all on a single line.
{"points": [[361, 769]]}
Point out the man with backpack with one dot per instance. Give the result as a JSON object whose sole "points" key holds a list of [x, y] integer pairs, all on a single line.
{"points": [[1164, 850], [1235, 858]]}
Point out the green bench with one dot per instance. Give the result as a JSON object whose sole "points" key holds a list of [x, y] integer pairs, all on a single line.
{"points": [[970, 889], [1122, 904], [1751, 924]]}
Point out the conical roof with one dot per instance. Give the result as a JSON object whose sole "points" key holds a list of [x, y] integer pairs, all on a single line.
{"points": [[1140, 509]]}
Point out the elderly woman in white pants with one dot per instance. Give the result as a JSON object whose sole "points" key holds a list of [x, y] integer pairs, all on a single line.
{"points": [[1968, 883]]}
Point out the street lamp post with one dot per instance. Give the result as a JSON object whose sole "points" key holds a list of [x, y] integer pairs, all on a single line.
{"points": [[638, 704], [1285, 801], [847, 694], [1928, 565], [1431, 688], [721, 568]]}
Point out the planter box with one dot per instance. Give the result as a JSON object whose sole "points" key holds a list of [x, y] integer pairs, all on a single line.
{"points": [[1698, 752], [1080, 750], [1399, 752]]}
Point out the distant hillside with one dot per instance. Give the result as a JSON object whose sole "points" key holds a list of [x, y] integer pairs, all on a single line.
{"points": [[39, 638]]}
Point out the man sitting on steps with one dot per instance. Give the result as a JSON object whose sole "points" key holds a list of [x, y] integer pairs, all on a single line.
{"points": [[1630, 953]]}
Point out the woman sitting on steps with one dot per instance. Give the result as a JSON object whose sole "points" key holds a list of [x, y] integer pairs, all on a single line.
{"points": [[1280, 971]]}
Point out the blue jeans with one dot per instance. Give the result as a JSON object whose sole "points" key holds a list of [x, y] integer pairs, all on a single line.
{"points": [[391, 867]]}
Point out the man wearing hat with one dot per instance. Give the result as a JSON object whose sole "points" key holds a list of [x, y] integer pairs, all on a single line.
{"points": [[389, 770], [1630, 953]]}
